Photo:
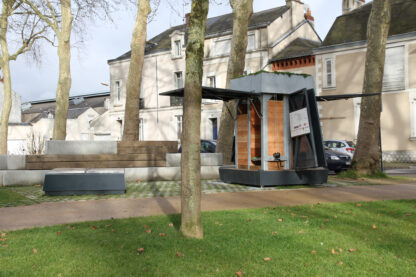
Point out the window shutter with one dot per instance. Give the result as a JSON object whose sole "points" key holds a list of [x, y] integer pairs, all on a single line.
{"points": [[222, 47], [393, 78]]}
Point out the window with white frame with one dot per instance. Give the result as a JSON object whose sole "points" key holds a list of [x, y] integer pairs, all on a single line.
{"points": [[141, 129], [412, 101], [394, 69], [211, 82], [179, 122], [178, 48], [222, 46], [329, 73], [117, 89], [251, 42], [178, 79]]}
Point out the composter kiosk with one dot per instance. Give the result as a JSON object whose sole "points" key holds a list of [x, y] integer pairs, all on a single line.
{"points": [[278, 139]]}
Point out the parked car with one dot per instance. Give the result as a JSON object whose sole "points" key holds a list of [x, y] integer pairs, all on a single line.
{"points": [[207, 146], [337, 161], [343, 146]]}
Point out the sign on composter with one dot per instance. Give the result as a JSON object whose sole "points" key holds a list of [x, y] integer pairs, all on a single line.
{"points": [[299, 123]]}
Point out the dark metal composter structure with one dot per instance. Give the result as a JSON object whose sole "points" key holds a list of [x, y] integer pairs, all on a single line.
{"points": [[278, 138]]}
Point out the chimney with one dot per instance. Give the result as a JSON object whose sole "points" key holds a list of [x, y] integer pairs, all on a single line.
{"points": [[309, 17], [187, 17], [350, 5]]}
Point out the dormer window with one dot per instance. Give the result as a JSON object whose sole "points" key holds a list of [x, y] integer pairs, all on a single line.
{"points": [[177, 41]]}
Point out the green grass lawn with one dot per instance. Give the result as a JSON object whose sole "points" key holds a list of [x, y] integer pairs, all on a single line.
{"points": [[354, 239]]}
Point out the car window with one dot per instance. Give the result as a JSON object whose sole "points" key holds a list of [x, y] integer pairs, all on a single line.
{"points": [[203, 146], [351, 144], [342, 145], [210, 147]]}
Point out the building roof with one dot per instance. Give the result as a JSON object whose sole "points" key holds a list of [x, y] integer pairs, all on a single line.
{"points": [[300, 47], [41, 108], [352, 26], [216, 26]]}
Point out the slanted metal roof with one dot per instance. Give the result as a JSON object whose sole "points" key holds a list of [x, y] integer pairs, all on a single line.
{"points": [[213, 93], [229, 94]]}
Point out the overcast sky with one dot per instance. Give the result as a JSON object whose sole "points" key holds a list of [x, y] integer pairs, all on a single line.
{"points": [[106, 41]]}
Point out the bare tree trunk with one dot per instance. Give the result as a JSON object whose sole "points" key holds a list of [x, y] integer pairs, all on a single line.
{"points": [[242, 11], [5, 66], [64, 82], [134, 80], [367, 156], [191, 224]]}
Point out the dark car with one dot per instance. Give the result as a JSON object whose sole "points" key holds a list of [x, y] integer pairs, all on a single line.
{"points": [[207, 146], [337, 161]]}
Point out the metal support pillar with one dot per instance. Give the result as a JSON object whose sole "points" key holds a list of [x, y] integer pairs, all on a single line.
{"points": [[248, 133], [286, 133], [237, 102], [264, 133]]}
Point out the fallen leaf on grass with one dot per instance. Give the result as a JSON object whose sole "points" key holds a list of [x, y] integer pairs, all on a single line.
{"points": [[340, 263], [2, 239], [162, 235], [322, 226], [335, 216], [326, 220], [5, 245], [274, 233], [200, 251], [301, 232], [374, 226], [60, 275], [3, 235], [59, 232], [179, 254], [280, 220], [347, 212], [108, 225], [340, 250], [137, 181], [146, 227], [148, 231], [239, 273], [113, 230], [35, 251], [351, 250], [140, 251], [333, 251], [93, 227], [170, 224], [267, 259], [303, 216], [314, 252], [408, 214], [358, 205]]}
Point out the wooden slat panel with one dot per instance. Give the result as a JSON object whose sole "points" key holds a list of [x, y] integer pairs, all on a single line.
{"points": [[92, 164], [145, 150], [132, 147], [95, 157]]}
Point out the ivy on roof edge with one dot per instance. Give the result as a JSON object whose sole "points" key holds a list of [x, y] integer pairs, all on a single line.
{"points": [[289, 74]]}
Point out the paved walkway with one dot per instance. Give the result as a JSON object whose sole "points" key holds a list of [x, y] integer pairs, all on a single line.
{"points": [[44, 214]]}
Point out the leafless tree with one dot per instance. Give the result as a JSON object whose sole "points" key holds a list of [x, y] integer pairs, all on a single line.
{"points": [[242, 11], [191, 224], [64, 17], [26, 29], [367, 156]]}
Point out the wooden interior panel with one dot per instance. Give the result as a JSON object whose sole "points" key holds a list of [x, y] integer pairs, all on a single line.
{"points": [[275, 134], [275, 131]]}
